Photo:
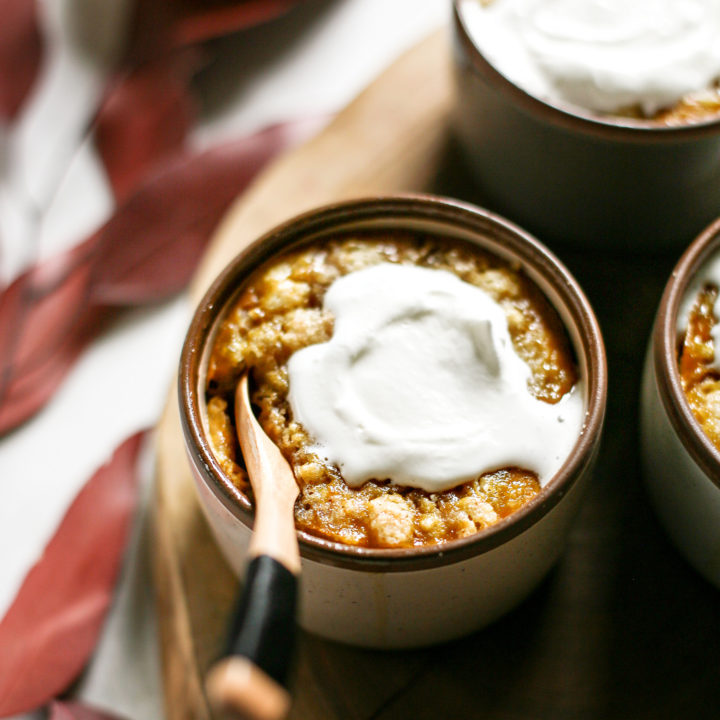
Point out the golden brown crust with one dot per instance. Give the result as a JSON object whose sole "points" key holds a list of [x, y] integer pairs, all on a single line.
{"points": [[693, 108], [280, 311], [700, 381]]}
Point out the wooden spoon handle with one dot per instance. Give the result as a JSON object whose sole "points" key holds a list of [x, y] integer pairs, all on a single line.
{"points": [[273, 484], [250, 682]]}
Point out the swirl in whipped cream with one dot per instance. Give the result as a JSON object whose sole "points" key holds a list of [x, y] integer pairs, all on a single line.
{"points": [[420, 384], [601, 55]]}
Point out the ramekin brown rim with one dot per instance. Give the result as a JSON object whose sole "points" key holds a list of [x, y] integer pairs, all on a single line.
{"points": [[497, 235], [664, 353], [583, 121]]}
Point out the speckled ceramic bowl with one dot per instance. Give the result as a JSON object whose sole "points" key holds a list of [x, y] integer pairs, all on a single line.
{"points": [[407, 597], [575, 177], [681, 466]]}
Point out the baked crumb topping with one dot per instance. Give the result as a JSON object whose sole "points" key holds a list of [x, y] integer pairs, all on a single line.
{"points": [[280, 311], [698, 375]]}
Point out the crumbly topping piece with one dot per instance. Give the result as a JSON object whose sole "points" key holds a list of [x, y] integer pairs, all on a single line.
{"points": [[699, 378]]}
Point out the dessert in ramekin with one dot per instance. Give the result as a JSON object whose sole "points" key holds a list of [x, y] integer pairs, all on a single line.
{"points": [[680, 409], [380, 584], [588, 122], [425, 345]]}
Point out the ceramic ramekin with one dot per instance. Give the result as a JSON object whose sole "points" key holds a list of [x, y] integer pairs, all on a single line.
{"points": [[681, 466], [407, 597], [574, 177]]}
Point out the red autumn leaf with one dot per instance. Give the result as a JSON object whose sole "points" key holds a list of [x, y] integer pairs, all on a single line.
{"points": [[52, 626], [38, 306], [143, 119], [20, 53], [77, 711], [25, 392], [157, 26], [146, 252], [147, 33], [199, 21], [151, 246], [45, 322]]}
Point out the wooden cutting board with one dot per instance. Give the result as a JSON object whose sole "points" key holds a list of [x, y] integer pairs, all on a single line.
{"points": [[621, 629]]}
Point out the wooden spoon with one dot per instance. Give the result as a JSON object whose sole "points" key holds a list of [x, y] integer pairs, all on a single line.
{"points": [[250, 682]]}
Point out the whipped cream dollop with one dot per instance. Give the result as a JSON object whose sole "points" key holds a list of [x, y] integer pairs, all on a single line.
{"points": [[601, 55], [420, 384], [709, 274]]}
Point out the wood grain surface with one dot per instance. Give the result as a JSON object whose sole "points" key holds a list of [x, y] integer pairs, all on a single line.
{"points": [[622, 628]]}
